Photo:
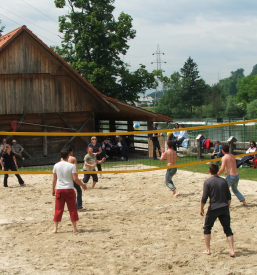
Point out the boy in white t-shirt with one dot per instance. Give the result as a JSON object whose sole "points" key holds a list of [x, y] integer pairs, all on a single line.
{"points": [[64, 173]]}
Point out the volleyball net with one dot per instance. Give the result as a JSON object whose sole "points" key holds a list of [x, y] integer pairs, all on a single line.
{"points": [[130, 152]]}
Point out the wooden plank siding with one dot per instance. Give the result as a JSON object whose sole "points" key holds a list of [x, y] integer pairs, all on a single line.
{"points": [[33, 81], [34, 145]]}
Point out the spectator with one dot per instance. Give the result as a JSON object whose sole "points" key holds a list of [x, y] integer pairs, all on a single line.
{"points": [[17, 149], [155, 141], [3, 147], [246, 158], [173, 136], [124, 149], [182, 135], [217, 151]]}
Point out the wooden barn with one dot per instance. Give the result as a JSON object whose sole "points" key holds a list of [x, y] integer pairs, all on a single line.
{"points": [[41, 92]]}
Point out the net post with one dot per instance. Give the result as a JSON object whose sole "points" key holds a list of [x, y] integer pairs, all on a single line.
{"points": [[231, 144], [200, 150]]}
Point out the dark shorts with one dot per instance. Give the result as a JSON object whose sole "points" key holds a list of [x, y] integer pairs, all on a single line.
{"points": [[87, 177], [224, 217]]}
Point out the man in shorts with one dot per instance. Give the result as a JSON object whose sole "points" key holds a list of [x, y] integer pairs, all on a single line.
{"points": [[64, 173], [216, 188], [171, 157], [90, 162], [232, 176]]}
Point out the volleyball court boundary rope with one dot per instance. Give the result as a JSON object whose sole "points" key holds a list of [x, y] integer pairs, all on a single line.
{"points": [[126, 133]]}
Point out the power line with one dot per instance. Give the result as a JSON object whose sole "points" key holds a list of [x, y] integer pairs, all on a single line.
{"points": [[29, 21], [39, 11], [33, 32]]}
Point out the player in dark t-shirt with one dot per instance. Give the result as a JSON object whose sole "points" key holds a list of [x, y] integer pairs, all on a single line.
{"points": [[8, 161], [216, 188], [97, 150], [156, 143]]}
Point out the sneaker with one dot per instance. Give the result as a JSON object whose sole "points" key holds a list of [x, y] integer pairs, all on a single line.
{"points": [[128, 160], [23, 158], [208, 162], [121, 158]]}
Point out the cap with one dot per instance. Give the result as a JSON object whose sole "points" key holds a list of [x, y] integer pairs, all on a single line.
{"points": [[14, 140]]}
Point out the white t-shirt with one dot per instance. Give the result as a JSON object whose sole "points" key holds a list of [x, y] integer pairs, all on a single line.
{"points": [[64, 171]]}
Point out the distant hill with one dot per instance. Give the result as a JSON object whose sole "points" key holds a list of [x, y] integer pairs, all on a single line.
{"points": [[159, 94]]}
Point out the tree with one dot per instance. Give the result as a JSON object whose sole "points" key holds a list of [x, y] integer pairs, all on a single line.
{"points": [[254, 71], [1, 29], [252, 109], [194, 87], [93, 44], [229, 84], [247, 89], [234, 109]]}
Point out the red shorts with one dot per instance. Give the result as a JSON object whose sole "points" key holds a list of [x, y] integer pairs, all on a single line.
{"points": [[68, 196]]}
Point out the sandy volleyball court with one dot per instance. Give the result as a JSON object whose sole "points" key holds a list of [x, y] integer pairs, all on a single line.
{"points": [[133, 225]]}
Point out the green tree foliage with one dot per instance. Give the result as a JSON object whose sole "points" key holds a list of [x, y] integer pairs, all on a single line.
{"points": [[171, 103], [247, 89], [1, 29], [234, 109], [193, 86], [252, 109], [214, 103], [229, 84], [254, 71], [93, 44]]}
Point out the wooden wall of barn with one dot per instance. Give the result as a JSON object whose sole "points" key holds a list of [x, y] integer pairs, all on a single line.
{"points": [[34, 81], [35, 145]]}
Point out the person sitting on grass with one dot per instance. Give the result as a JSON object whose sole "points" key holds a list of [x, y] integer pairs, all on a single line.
{"points": [[216, 188], [64, 173], [90, 162]]}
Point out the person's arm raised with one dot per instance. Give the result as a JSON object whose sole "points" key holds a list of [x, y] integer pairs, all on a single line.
{"points": [[163, 156]]}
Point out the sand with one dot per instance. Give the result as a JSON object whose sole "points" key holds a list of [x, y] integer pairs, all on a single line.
{"points": [[133, 225]]}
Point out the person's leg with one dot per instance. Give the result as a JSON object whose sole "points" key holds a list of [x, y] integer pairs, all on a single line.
{"points": [[225, 222], [243, 160], [219, 155], [6, 177], [233, 182], [212, 156], [168, 180], [86, 177], [210, 218], [95, 180], [70, 198], [59, 207], [79, 195], [20, 180]]}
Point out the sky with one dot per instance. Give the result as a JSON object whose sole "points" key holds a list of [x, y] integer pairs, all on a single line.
{"points": [[219, 35]]}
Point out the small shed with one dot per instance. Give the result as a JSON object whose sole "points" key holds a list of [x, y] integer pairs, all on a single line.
{"points": [[43, 93]]}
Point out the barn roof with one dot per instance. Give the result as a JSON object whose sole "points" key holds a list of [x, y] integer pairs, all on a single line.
{"points": [[124, 109]]}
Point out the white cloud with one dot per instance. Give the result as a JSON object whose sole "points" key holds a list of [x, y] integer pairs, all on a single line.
{"points": [[219, 35]]}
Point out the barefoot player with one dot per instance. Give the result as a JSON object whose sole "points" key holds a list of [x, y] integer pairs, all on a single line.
{"points": [[171, 157], [64, 173], [232, 176], [216, 188]]}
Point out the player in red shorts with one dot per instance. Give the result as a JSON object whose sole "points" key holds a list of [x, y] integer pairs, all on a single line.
{"points": [[64, 173]]}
